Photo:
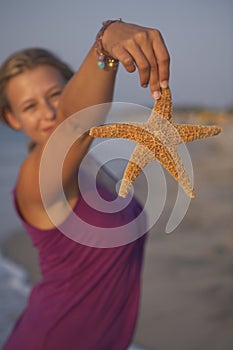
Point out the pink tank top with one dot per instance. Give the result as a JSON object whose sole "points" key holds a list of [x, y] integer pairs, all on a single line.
{"points": [[88, 297]]}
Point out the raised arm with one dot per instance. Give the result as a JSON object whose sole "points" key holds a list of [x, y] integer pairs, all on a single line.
{"points": [[135, 47]]}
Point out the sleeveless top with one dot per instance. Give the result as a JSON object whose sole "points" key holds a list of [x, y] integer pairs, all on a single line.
{"points": [[88, 297]]}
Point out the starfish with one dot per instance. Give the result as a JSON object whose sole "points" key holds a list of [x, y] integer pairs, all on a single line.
{"points": [[157, 139]]}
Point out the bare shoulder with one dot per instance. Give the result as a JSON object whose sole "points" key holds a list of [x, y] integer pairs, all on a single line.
{"points": [[28, 192], [28, 179]]}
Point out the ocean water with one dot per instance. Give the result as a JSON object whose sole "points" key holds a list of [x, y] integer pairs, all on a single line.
{"points": [[13, 148], [13, 295], [14, 288]]}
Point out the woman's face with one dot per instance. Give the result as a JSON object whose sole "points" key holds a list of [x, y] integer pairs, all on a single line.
{"points": [[33, 97]]}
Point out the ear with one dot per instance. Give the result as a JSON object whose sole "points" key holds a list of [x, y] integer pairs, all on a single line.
{"points": [[12, 120]]}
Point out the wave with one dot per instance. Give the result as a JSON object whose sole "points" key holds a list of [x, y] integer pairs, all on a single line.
{"points": [[14, 290]]}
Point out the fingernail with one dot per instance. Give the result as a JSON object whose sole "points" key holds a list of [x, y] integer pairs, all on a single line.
{"points": [[164, 84], [156, 95], [144, 85]]}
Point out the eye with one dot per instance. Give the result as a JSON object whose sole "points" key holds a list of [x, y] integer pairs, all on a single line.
{"points": [[29, 107], [55, 94]]}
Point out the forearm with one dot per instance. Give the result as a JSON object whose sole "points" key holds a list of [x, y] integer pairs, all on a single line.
{"points": [[89, 86]]}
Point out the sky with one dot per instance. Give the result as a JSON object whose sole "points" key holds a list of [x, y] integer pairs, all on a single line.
{"points": [[198, 34]]}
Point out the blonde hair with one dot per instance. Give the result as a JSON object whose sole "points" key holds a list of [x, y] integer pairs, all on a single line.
{"points": [[22, 60]]}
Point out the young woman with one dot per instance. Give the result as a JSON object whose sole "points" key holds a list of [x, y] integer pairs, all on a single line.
{"points": [[88, 296]]}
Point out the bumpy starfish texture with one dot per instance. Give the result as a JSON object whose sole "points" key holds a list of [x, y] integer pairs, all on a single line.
{"points": [[157, 139]]}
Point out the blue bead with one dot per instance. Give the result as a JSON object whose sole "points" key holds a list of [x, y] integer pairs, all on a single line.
{"points": [[101, 64]]}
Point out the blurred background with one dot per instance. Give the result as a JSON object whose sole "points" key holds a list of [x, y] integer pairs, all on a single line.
{"points": [[187, 284], [197, 33]]}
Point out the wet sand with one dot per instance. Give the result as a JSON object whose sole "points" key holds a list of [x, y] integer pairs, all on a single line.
{"points": [[187, 293]]}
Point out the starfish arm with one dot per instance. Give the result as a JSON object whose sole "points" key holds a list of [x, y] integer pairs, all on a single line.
{"points": [[173, 163], [130, 131], [170, 160], [190, 133], [163, 106], [140, 157]]}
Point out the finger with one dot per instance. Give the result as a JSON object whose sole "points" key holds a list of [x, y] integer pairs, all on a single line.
{"points": [[150, 55], [141, 57], [154, 83], [143, 62], [149, 73], [163, 60], [125, 58]]}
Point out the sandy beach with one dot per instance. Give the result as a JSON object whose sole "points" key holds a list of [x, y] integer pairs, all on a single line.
{"points": [[187, 294]]}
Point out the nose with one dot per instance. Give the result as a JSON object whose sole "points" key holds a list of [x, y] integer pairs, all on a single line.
{"points": [[49, 111]]}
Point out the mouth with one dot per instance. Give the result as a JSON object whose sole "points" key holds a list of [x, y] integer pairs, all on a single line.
{"points": [[49, 129]]}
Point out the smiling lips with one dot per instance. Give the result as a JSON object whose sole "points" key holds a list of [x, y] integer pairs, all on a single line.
{"points": [[49, 129]]}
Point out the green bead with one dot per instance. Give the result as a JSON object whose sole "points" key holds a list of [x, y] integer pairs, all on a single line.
{"points": [[101, 64]]}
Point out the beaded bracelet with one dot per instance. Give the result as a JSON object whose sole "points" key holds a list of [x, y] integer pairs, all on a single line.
{"points": [[103, 56]]}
